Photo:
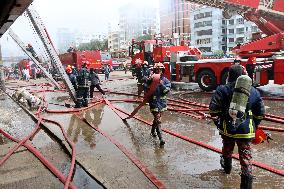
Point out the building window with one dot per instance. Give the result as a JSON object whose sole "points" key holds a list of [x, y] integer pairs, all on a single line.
{"points": [[240, 21], [231, 40], [203, 41], [204, 32], [205, 49], [231, 31], [202, 24], [240, 40], [240, 30], [223, 31], [254, 29], [202, 15], [224, 22], [231, 22]]}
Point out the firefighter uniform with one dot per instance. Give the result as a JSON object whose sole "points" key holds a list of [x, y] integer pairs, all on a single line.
{"points": [[244, 133], [158, 104], [83, 87]]}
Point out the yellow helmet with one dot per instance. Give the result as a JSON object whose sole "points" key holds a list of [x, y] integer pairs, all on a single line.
{"points": [[159, 66]]}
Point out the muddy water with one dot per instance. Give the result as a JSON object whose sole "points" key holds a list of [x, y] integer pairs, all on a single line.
{"points": [[179, 164], [17, 123]]}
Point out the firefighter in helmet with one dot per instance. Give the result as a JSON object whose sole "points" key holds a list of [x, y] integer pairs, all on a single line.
{"points": [[72, 76], [139, 75], [83, 87], [238, 109], [157, 101]]}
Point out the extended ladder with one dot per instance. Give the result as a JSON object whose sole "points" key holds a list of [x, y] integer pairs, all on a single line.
{"points": [[23, 47], [41, 31]]}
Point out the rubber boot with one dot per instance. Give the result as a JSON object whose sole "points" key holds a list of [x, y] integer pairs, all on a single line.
{"points": [[226, 164], [246, 182], [159, 133], [153, 130]]}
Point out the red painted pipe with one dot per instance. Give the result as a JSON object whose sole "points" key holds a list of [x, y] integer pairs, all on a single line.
{"points": [[51, 167], [272, 98], [131, 156], [72, 110], [258, 164], [11, 151], [73, 156]]}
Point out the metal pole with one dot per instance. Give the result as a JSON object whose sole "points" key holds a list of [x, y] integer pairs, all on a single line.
{"points": [[2, 77]]}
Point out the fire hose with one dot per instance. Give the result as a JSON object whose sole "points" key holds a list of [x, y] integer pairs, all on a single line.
{"points": [[67, 181], [256, 163], [131, 156]]}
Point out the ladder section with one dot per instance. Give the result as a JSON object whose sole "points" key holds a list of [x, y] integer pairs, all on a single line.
{"points": [[23, 47], [40, 30]]}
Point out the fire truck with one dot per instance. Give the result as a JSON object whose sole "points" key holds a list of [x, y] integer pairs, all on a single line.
{"points": [[154, 51], [94, 59], [263, 57]]}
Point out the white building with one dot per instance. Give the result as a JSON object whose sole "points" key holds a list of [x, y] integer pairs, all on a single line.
{"points": [[65, 39], [113, 41], [212, 33], [137, 20]]}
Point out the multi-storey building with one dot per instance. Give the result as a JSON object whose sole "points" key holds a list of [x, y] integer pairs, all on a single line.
{"points": [[65, 39], [136, 20], [174, 17], [212, 33], [113, 41]]}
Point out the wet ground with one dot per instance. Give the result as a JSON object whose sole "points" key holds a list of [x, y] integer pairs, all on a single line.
{"points": [[179, 164]]}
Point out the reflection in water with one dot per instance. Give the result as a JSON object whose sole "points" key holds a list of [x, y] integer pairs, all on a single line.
{"points": [[77, 128]]}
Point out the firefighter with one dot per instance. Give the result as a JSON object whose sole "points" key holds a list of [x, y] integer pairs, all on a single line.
{"points": [[32, 51], [139, 76], [95, 82], [83, 88], [157, 101], [241, 131], [107, 71], [145, 75], [72, 76]]}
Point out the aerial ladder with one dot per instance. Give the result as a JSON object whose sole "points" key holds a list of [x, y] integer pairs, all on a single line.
{"points": [[268, 15], [23, 47], [43, 35]]}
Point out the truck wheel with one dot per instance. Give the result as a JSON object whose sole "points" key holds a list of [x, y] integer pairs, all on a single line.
{"points": [[224, 77], [206, 80]]}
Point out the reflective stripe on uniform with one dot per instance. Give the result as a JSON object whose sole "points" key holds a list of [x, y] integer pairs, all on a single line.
{"points": [[249, 135], [258, 117], [250, 122], [214, 111], [157, 110]]}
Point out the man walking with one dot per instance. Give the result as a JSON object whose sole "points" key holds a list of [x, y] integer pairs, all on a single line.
{"points": [[241, 132], [158, 102], [95, 82]]}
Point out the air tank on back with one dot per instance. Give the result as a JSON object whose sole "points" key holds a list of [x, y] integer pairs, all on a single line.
{"points": [[239, 99]]}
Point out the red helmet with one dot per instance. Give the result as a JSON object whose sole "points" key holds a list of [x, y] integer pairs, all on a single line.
{"points": [[260, 136], [68, 70]]}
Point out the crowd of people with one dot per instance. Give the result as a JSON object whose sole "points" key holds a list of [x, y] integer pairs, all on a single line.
{"points": [[85, 81], [24, 73]]}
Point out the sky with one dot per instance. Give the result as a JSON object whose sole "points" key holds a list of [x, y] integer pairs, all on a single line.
{"points": [[84, 15]]}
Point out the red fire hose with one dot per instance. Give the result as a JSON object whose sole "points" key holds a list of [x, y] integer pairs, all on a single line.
{"points": [[153, 86], [256, 163], [45, 162], [131, 156], [20, 143]]}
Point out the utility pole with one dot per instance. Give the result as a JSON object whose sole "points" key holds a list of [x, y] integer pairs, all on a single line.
{"points": [[2, 77]]}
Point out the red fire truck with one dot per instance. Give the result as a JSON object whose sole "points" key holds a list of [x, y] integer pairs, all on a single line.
{"points": [[263, 57], [94, 59]]}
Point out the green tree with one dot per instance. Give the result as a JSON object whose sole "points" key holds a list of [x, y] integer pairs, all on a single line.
{"points": [[94, 45], [144, 37]]}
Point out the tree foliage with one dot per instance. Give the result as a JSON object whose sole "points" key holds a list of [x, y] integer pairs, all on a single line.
{"points": [[94, 45], [144, 37]]}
